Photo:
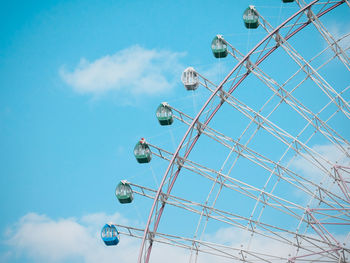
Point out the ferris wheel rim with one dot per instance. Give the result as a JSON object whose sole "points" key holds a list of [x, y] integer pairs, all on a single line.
{"points": [[211, 97]]}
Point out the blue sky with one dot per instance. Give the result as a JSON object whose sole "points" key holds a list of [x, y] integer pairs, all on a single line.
{"points": [[79, 85]]}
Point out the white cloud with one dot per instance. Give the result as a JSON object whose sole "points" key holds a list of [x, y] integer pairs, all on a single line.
{"points": [[339, 30], [330, 153], [134, 71], [42, 239], [240, 238]]}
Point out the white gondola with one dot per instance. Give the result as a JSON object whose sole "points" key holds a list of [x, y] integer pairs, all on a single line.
{"points": [[190, 79]]}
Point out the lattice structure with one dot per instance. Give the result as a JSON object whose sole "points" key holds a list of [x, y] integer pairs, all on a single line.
{"points": [[322, 219]]}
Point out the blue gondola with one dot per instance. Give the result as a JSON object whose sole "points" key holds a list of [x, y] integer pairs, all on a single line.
{"points": [[110, 235]]}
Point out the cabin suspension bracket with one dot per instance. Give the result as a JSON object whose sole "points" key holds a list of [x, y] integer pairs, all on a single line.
{"points": [[249, 65], [222, 95], [310, 15], [200, 127], [279, 40], [180, 161], [163, 197]]}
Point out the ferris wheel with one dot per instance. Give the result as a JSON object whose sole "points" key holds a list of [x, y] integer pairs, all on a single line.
{"points": [[271, 171]]}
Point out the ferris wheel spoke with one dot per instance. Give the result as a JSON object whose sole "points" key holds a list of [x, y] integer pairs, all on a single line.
{"points": [[336, 48], [311, 60], [320, 82], [277, 169], [190, 205], [317, 69], [209, 128], [330, 59], [206, 247], [242, 150], [235, 184], [320, 228], [315, 121], [326, 34], [311, 155], [303, 111], [342, 215], [308, 69], [217, 214], [313, 18], [243, 191], [328, 194], [298, 153], [341, 181], [235, 220]]}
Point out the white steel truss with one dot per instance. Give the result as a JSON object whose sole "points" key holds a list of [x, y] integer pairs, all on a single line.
{"points": [[333, 207]]}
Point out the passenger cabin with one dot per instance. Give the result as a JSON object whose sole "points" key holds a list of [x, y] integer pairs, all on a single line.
{"points": [[251, 17], [164, 114], [124, 192], [142, 152], [190, 79], [219, 47], [110, 235]]}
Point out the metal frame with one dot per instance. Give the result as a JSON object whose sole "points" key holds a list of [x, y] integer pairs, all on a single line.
{"points": [[179, 158]]}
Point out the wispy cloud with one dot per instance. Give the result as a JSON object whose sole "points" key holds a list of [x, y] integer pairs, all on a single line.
{"points": [[270, 247], [339, 30], [134, 71], [329, 152], [215, 72]]}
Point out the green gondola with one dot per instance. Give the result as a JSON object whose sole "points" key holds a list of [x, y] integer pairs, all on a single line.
{"points": [[124, 192], [219, 47], [142, 152], [251, 18], [164, 114]]}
